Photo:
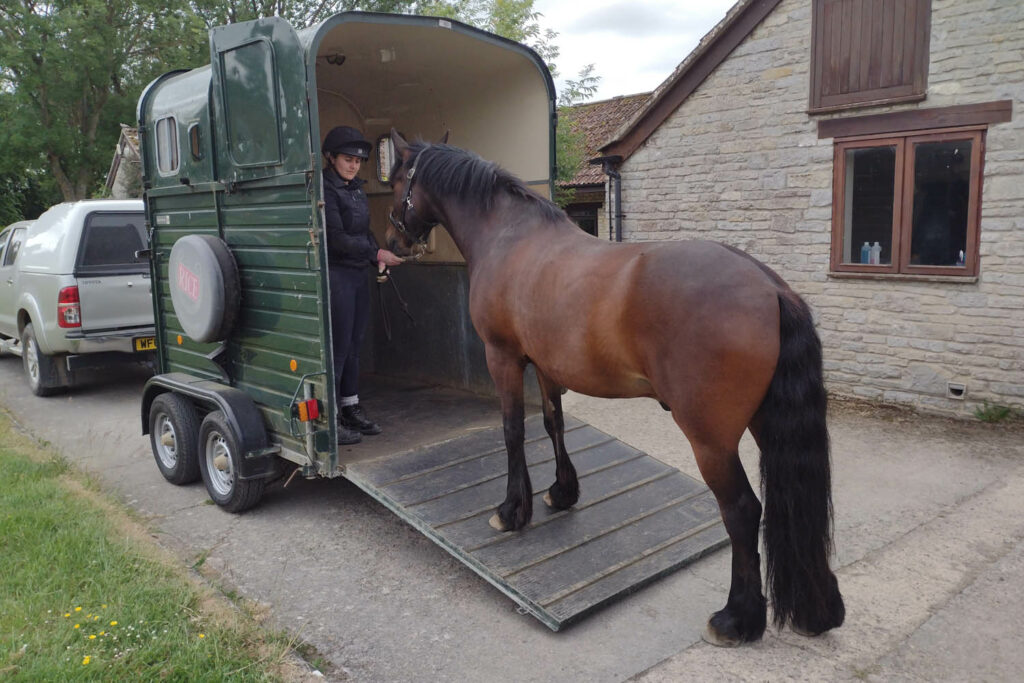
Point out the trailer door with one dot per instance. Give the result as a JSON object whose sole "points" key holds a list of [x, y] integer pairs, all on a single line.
{"points": [[259, 101]]}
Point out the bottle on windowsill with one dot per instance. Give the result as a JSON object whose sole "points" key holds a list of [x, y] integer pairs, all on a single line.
{"points": [[876, 254], [865, 253]]}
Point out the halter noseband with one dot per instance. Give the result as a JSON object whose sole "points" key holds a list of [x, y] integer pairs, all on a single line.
{"points": [[408, 208]]}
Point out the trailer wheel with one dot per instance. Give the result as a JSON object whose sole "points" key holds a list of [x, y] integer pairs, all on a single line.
{"points": [[219, 457], [174, 437], [41, 369]]}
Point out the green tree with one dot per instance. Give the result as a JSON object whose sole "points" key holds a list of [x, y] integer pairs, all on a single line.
{"points": [[24, 195], [570, 143], [299, 13], [72, 70]]}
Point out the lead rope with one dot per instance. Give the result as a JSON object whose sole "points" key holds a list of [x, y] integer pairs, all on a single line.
{"points": [[381, 279]]}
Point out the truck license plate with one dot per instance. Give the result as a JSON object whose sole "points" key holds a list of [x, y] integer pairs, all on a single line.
{"points": [[145, 343]]}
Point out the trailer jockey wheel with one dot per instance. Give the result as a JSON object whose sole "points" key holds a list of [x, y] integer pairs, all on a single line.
{"points": [[219, 459], [205, 289], [174, 438]]}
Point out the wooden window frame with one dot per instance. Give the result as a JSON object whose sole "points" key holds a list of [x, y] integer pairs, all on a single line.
{"points": [[902, 224], [916, 53]]}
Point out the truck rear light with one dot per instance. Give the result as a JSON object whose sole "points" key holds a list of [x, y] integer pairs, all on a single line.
{"points": [[69, 308]]}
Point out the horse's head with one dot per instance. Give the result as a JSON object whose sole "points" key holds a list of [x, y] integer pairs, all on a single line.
{"points": [[412, 214]]}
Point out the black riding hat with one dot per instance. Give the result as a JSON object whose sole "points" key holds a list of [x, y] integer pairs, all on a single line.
{"points": [[346, 140]]}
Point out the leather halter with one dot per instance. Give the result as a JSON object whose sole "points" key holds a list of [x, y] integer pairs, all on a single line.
{"points": [[408, 208]]}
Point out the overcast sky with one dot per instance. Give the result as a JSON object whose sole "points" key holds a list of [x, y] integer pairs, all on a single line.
{"points": [[633, 44]]}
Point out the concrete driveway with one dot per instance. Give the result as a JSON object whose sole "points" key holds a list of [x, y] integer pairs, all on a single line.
{"points": [[929, 528]]}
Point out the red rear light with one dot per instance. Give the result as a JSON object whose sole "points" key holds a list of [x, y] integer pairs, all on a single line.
{"points": [[69, 308], [308, 410]]}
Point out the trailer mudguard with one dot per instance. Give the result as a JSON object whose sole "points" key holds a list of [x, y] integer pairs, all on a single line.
{"points": [[259, 461]]}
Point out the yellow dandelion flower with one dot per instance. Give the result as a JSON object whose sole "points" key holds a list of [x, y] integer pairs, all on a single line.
{"points": [[96, 618], [92, 636], [202, 635], [67, 614], [103, 606], [77, 625], [113, 623], [78, 609], [103, 633], [86, 660]]}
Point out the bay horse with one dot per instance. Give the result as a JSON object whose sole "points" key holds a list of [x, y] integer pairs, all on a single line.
{"points": [[714, 335]]}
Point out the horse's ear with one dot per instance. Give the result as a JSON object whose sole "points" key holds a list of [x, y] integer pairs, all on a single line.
{"points": [[444, 138], [399, 142]]}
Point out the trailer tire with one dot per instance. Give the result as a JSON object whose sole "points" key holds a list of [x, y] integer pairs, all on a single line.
{"points": [[41, 369], [174, 438], [220, 454], [205, 287]]}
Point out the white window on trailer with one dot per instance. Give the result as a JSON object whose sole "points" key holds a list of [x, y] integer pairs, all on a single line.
{"points": [[167, 145]]}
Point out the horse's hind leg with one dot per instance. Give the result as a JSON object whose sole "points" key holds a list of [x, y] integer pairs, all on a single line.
{"points": [[744, 616], [566, 490], [517, 509]]}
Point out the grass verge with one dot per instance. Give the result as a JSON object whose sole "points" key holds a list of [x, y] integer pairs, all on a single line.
{"points": [[86, 595]]}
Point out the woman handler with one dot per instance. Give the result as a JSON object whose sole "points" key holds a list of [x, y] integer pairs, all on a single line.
{"points": [[351, 248]]}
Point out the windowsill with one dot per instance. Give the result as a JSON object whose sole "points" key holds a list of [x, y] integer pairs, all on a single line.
{"points": [[952, 279]]}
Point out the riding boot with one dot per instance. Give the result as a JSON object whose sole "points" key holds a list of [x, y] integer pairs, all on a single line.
{"points": [[346, 436], [354, 417]]}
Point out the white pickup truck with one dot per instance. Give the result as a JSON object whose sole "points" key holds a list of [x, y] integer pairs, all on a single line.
{"points": [[75, 291]]}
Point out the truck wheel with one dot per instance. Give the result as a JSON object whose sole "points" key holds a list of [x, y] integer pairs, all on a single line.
{"points": [[41, 369], [219, 458], [174, 437]]}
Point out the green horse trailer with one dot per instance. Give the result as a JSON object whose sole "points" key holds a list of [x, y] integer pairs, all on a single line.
{"points": [[243, 397]]}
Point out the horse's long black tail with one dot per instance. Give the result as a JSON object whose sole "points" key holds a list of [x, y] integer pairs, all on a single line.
{"points": [[796, 479]]}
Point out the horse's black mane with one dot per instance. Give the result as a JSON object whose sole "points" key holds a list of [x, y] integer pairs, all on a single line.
{"points": [[447, 170]]}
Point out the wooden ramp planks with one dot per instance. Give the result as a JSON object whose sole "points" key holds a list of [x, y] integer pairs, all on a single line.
{"points": [[637, 519]]}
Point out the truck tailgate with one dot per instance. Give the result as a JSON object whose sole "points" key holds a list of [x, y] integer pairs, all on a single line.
{"points": [[115, 302]]}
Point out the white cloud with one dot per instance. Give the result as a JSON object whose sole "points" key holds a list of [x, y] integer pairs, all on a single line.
{"points": [[633, 45]]}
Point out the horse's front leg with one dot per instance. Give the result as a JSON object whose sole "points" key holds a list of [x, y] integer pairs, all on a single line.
{"points": [[566, 490], [507, 372]]}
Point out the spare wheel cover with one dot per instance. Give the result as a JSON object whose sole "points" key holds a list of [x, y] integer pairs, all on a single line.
{"points": [[204, 284]]}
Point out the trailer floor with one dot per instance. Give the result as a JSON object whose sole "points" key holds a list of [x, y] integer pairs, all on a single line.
{"points": [[441, 465]]}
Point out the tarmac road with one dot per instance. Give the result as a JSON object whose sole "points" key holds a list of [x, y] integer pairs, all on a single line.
{"points": [[929, 527]]}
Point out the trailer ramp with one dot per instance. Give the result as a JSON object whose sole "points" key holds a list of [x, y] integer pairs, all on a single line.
{"points": [[637, 518]]}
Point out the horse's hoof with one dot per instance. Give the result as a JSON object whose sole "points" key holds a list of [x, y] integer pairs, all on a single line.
{"points": [[547, 500], [496, 523], [710, 635], [803, 632]]}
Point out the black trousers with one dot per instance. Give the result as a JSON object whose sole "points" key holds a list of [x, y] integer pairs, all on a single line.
{"points": [[350, 311]]}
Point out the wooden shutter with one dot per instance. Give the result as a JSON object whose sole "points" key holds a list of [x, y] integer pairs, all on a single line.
{"points": [[868, 52]]}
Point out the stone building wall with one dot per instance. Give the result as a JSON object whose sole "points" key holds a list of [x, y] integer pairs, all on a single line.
{"points": [[740, 162]]}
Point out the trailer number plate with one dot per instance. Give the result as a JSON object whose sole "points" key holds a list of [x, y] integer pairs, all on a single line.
{"points": [[145, 343]]}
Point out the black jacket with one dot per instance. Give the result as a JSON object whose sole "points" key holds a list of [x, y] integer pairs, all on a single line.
{"points": [[349, 240]]}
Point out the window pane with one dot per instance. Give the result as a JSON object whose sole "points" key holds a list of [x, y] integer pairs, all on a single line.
{"points": [[942, 182], [250, 95], [12, 251], [113, 239], [869, 196], [167, 145]]}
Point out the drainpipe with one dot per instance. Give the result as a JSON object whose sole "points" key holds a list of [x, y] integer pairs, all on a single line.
{"points": [[608, 165]]}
